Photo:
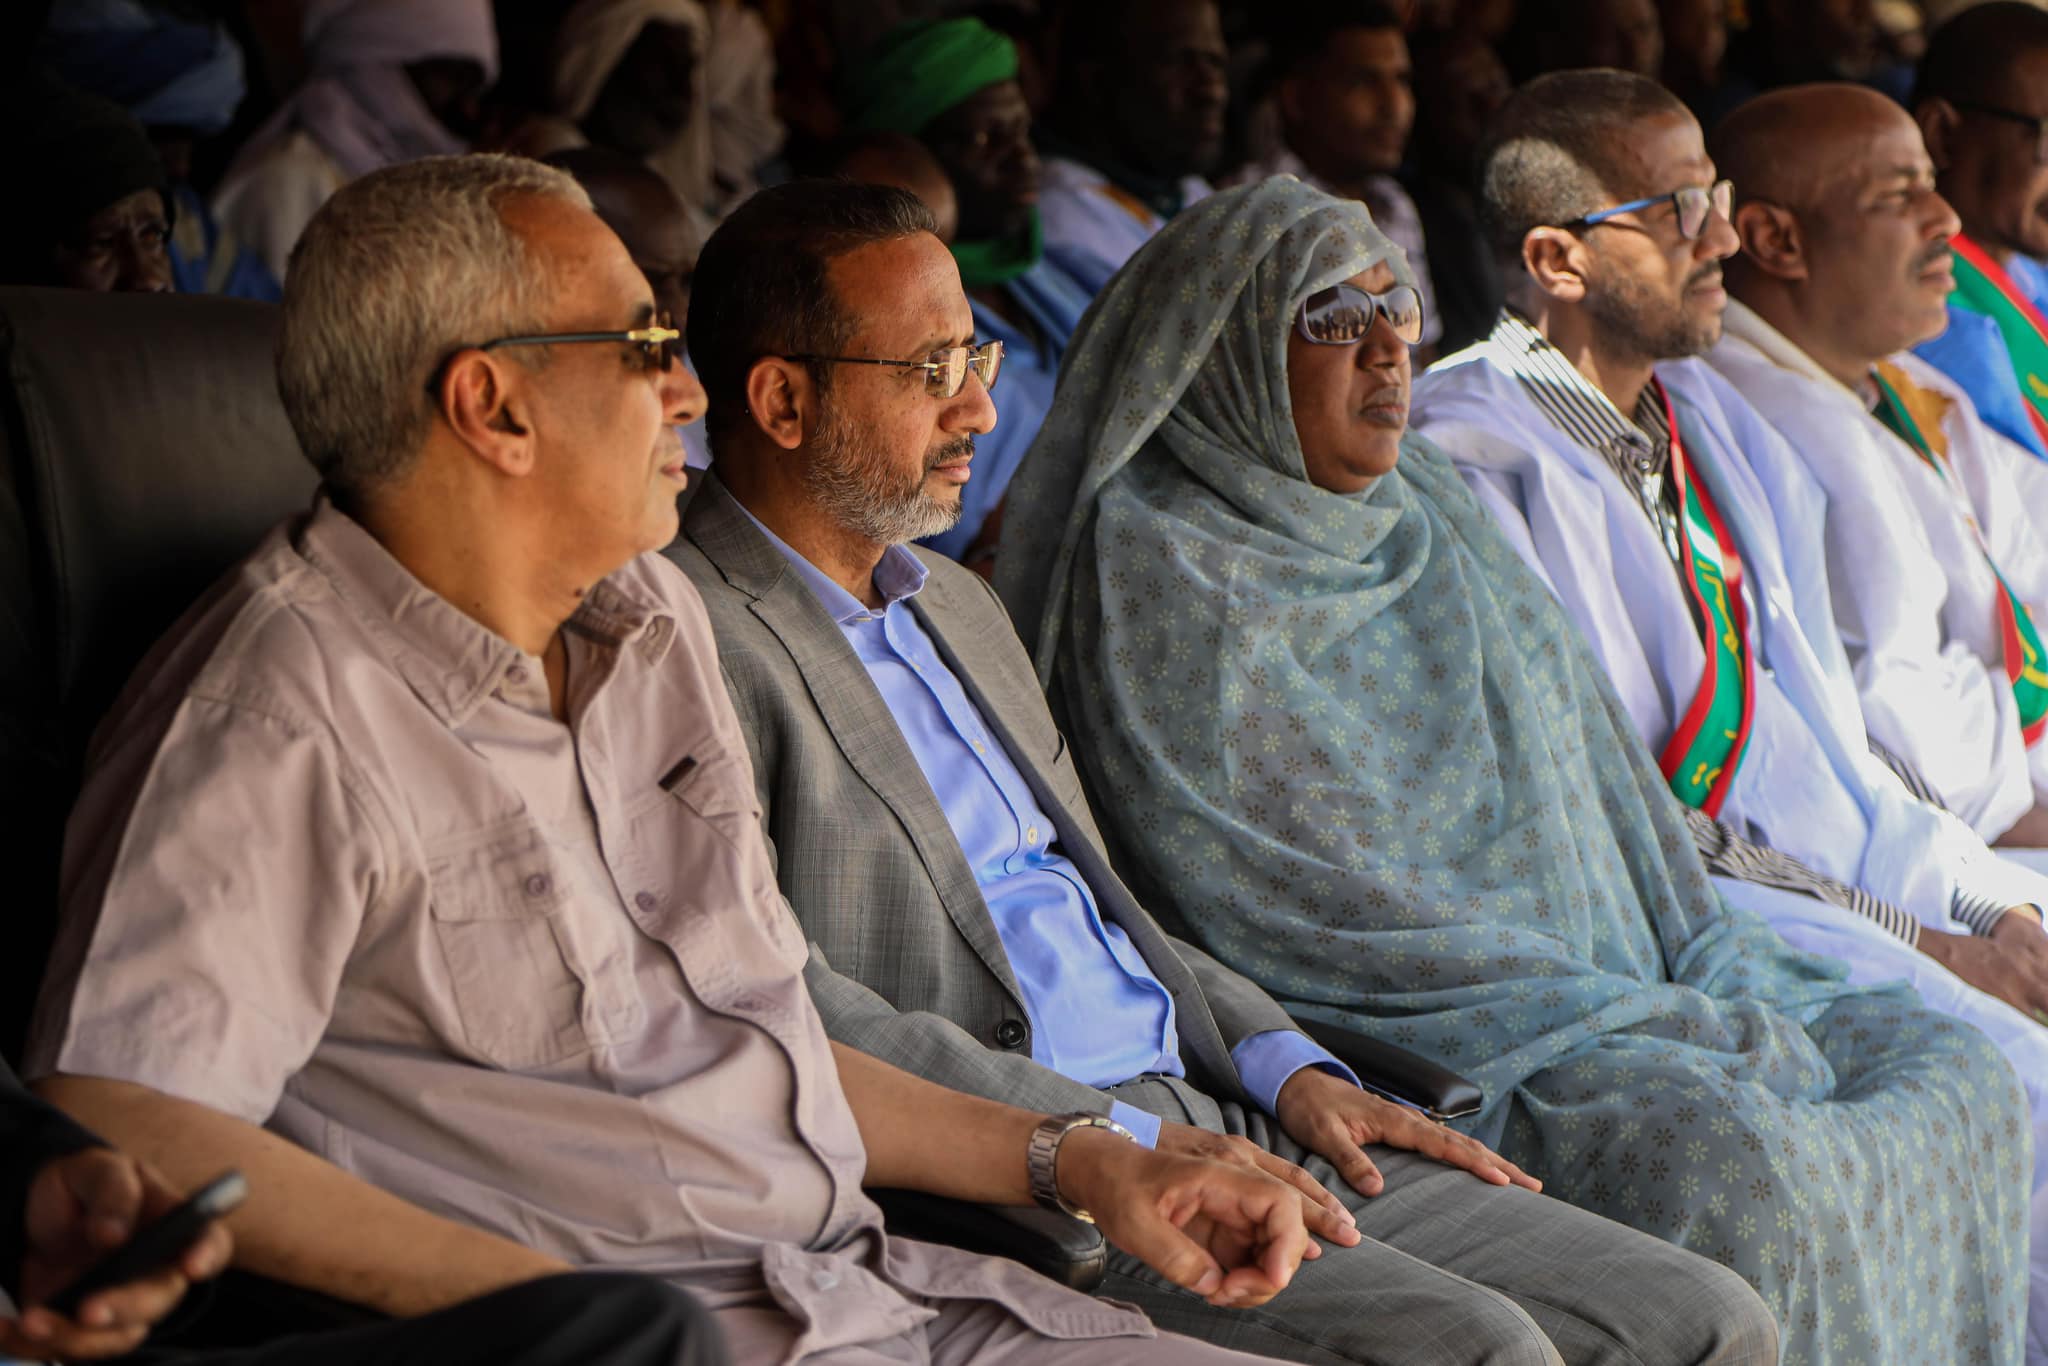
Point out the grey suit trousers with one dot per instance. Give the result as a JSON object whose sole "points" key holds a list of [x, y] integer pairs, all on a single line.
{"points": [[1491, 1275]]}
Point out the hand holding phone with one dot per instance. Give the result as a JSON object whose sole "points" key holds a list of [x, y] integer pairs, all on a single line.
{"points": [[156, 1246], [81, 1246]]}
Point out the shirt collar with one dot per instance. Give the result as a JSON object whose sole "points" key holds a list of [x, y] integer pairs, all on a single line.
{"points": [[899, 575], [451, 660], [1745, 324], [1573, 403]]}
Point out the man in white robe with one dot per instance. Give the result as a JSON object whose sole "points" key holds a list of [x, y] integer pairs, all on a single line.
{"points": [[1601, 449], [1135, 124], [1845, 265]]}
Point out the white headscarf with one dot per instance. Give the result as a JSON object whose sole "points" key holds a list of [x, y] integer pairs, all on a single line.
{"points": [[592, 40], [357, 102], [740, 85]]}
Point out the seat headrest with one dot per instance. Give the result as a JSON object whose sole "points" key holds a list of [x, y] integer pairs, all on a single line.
{"points": [[148, 453]]}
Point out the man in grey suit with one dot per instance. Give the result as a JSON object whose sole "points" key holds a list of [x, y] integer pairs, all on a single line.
{"points": [[965, 923]]}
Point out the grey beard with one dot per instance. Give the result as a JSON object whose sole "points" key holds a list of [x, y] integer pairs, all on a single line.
{"points": [[852, 482]]}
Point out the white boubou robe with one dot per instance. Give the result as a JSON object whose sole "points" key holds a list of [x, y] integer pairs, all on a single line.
{"points": [[1808, 784], [1915, 601], [1091, 226]]}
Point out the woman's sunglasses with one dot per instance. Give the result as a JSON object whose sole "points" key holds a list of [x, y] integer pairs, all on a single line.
{"points": [[1342, 314]]}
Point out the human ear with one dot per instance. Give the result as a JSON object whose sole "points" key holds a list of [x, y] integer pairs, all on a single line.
{"points": [[1556, 263], [1937, 119], [779, 392], [1288, 99], [488, 410], [1771, 239]]}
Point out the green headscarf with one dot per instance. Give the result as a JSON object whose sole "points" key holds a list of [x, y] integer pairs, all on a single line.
{"points": [[916, 72]]}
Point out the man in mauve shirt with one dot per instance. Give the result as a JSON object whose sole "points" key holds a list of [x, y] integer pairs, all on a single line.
{"points": [[419, 872]]}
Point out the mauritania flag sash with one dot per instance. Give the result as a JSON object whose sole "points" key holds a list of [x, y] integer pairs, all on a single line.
{"points": [[1701, 760], [1983, 286], [1914, 416]]}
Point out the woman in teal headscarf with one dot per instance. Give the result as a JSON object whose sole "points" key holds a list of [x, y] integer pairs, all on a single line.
{"points": [[1343, 732]]}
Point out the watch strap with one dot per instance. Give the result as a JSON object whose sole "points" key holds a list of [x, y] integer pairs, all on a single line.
{"points": [[1041, 1158]]}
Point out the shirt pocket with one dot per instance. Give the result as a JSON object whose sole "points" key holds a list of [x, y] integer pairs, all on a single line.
{"points": [[722, 856], [500, 902]]}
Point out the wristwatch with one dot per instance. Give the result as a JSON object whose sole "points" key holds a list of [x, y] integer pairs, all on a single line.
{"points": [[1041, 1158]]}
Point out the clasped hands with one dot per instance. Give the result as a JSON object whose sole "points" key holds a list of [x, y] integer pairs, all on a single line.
{"points": [[1223, 1217]]}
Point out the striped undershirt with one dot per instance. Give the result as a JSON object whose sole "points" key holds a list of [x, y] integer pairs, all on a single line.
{"points": [[1639, 453]]}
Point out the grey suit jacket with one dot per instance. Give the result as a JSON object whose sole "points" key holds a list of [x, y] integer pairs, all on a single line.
{"points": [[906, 963]]}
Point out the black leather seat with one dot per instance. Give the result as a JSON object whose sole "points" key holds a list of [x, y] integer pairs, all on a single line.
{"points": [[143, 451]]}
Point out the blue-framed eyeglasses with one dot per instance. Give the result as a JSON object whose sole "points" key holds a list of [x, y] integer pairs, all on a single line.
{"points": [[1694, 204]]}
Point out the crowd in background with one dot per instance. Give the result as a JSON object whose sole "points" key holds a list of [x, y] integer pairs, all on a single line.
{"points": [[184, 144]]}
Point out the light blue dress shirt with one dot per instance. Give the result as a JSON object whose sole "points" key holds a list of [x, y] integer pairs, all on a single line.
{"points": [[1098, 1015]]}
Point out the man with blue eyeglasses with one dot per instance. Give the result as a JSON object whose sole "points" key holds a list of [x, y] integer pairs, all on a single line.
{"points": [[1685, 538]]}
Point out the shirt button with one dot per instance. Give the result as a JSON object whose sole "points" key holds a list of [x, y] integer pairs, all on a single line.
{"points": [[1011, 1033], [537, 884], [980, 748], [516, 675], [646, 901], [1031, 835]]}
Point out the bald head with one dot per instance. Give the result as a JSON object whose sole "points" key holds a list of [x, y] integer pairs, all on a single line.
{"points": [[1755, 147], [1844, 238]]}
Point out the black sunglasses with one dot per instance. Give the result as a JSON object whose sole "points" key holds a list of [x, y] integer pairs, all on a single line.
{"points": [[660, 344], [2033, 121]]}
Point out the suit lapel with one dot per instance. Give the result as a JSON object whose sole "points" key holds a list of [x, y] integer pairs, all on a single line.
{"points": [[859, 720], [1006, 704]]}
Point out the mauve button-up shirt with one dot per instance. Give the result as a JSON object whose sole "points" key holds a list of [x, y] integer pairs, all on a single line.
{"points": [[337, 869]]}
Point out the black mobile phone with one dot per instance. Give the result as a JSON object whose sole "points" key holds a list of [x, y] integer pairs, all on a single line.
{"points": [[155, 1245]]}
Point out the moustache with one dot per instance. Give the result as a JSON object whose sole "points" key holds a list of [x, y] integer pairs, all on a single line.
{"points": [[1705, 275], [1936, 254], [961, 448]]}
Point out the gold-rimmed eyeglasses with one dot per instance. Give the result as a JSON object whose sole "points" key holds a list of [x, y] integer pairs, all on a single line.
{"points": [[945, 370]]}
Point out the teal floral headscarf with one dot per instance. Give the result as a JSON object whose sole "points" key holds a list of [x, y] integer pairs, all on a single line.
{"points": [[1362, 750], [1354, 747]]}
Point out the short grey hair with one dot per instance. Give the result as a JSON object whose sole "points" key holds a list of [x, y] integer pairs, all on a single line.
{"points": [[396, 271]]}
